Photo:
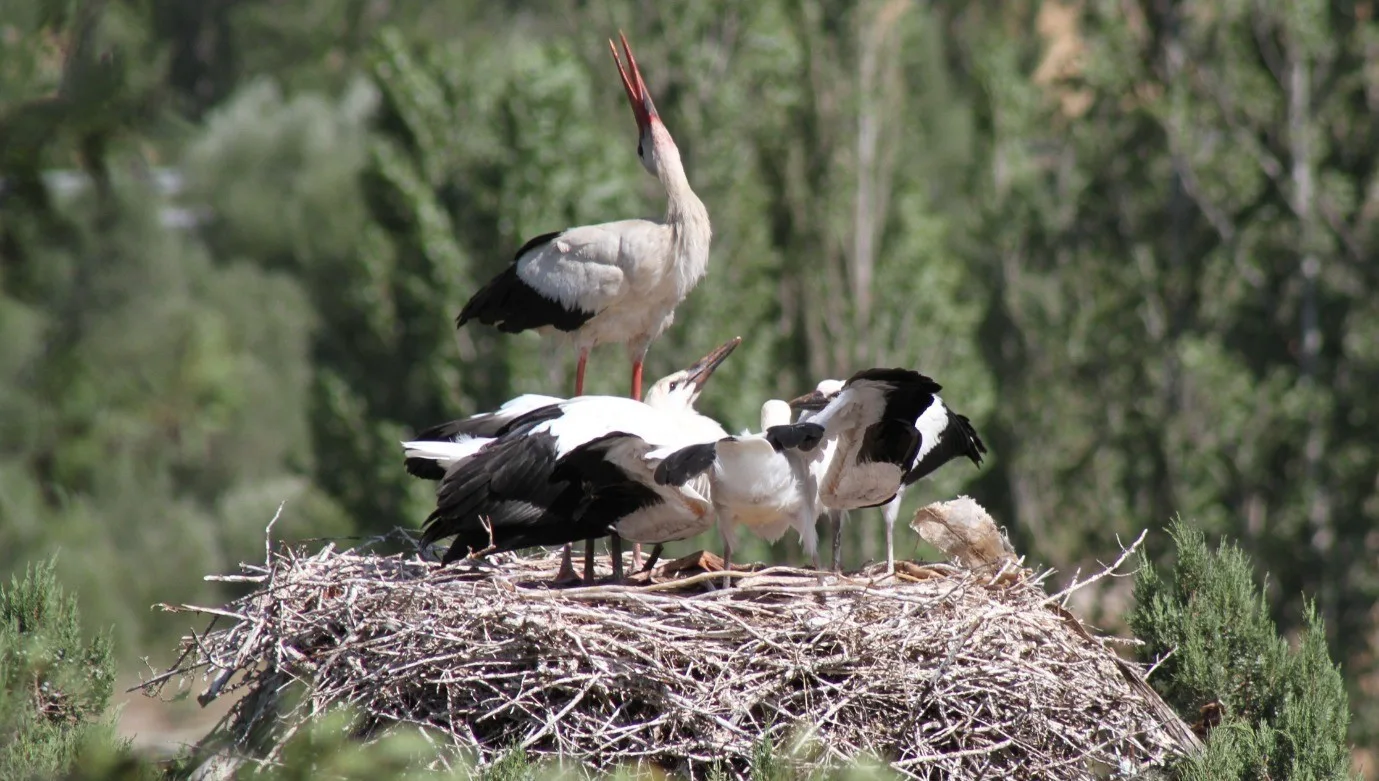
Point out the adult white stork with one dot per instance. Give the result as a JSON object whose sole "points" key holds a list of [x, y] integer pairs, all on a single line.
{"points": [[533, 484], [616, 281], [760, 481], [891, 428], [432, 452]]}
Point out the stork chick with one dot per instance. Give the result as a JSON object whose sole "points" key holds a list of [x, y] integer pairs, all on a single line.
{"points": [[760, 481]]}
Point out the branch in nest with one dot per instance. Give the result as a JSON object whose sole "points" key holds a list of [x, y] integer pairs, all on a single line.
{"points": [[953, 674]]}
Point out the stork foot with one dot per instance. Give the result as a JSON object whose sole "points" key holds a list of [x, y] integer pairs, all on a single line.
{"points": [[615, 552], [589, 562], [567, 573], [652, 558]]}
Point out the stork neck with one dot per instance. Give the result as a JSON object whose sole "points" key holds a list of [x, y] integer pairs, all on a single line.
{"points": [[687, 218]]}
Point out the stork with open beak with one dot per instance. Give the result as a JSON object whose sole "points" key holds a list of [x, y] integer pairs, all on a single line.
{"points": [[431, 453], [888, 428], [615, 281], [519, 489]]}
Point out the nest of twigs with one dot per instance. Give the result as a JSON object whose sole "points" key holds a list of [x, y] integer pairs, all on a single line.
{"points": [[941, 672]]}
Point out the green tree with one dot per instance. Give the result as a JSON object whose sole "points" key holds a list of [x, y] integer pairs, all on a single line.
{"points": [[498, 137], [1285, 709], [152, 397], [1179, 315], [55, 682]]}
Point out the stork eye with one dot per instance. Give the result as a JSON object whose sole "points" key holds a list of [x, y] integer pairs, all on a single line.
{"points": [[639, 149]]}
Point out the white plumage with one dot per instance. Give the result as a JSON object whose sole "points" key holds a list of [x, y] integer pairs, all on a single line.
{"points": [[586, 418], [448, 443], [760, 481], [766, 488]]}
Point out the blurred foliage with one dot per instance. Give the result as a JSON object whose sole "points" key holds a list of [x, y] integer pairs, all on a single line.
{"points": [[153, 411], [54, 681], [1282, 710], [328, 747], [1135, 248]]}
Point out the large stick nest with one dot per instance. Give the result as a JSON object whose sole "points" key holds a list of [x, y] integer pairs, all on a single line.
{"points": [[941, 671]]}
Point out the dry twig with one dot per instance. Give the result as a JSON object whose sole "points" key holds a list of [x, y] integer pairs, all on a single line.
{"points": [[945, 672]]}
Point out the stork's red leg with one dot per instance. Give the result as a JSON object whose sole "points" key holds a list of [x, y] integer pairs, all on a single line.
{"points": [[567, 570], [637, 396], [579, 372], [637, 379]]}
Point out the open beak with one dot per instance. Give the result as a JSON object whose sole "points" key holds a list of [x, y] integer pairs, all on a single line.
{"points": [[637, 95], [703, 368], [812, 401]]}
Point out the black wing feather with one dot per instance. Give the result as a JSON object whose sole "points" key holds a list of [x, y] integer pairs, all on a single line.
{"points": [[889, 441], [489, 426], [959, 438], [686, 463], [511, 305], [900, 378], [598, 490], [795, 436], [507, 497], [535, 242], [424, 468]]}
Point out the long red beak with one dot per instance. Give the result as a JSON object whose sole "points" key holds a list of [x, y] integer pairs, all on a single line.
{"points": [[637, 95]]}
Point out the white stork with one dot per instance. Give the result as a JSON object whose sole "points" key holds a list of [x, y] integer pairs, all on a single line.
{"points": [[533, 483], [760, 481], [431, 453], [891, 429], [616, 281], [434, 450]]}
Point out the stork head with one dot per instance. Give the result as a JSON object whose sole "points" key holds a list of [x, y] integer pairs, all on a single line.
{"points": [[774, 413], [680, 390], [652, 136], [818, 398]]}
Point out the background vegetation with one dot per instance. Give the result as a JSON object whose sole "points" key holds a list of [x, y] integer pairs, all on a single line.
{"points": [[1134, 241]]}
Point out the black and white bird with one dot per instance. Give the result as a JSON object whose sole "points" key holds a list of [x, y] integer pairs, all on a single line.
{"points": [[760, 481], [889, 428], [616, 479], [542, 479], [432, 452], [616, 282]]}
